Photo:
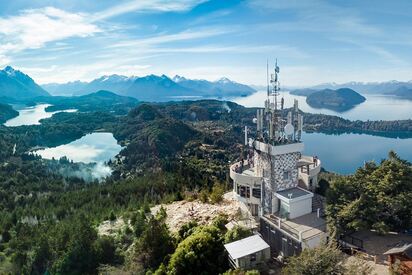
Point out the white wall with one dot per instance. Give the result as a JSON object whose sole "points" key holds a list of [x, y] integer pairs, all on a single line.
{"points": [[314, 242], [300, 208], [261, 256]]}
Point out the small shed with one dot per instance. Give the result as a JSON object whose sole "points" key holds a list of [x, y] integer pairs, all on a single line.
{"points": [[248, 252], [400, 258]]}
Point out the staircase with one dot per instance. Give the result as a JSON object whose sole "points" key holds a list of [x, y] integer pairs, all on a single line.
{"points": [[318, 201]]}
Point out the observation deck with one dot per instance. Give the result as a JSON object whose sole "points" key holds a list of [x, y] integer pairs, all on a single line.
{"points": [[244, 175], [247, 186], [309, 168], [308, 165]]}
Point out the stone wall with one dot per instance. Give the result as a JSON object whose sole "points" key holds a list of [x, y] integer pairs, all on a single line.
{"points": [[286, 162], [272, 169]]}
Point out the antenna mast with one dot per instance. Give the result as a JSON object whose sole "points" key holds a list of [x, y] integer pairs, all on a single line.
{"points": [[273, 105]]}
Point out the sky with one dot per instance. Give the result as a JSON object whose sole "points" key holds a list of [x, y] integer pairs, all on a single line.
{"points": [[314, 41]]}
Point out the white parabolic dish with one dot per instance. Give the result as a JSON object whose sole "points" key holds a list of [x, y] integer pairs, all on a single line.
{"points": [[289, 129]]}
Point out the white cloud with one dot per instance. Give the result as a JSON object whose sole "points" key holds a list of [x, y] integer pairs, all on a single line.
{"points": [[4, 60], [147, 6], [167, 38], [34, 28]]}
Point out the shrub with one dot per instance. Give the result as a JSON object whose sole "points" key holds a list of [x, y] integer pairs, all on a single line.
{"points": [[237, 233], [217, 193], [204, 196], [112, 216]]}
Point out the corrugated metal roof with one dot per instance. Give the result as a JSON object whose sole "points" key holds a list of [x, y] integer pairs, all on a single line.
{"points": [[400, 249], [246, 246]]}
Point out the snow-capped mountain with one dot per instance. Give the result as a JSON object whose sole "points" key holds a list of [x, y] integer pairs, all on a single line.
{"points": [[223, 87], [153, 87], [15, 84]]}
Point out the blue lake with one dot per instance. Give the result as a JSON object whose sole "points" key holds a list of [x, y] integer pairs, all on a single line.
{"points": [[30, 115], [344, 153], [94, 147]]}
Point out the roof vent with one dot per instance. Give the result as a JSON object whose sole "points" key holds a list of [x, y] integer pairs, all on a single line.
{"points": [[290, 195]]}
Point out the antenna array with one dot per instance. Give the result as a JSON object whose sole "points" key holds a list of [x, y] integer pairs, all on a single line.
{"points": [[278, 129]]}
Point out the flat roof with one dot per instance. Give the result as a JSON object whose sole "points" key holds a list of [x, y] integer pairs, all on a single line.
{"points": [[310, 225], [295, 193], [403, 248], [246, 246]]}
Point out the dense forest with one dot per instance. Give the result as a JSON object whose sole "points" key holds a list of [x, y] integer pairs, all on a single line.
{"points": [[7, 112], [377, 196], [49, 220]]}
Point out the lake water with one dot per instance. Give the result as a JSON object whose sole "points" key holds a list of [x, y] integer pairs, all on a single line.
{"points": [[95, 148], [376, 107], [31, 115], [344, 153]]}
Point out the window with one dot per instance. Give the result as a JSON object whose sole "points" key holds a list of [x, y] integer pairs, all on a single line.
{"points": [[244, 191], [256, 192], [284, 210], [286, 175], [253, 257]]}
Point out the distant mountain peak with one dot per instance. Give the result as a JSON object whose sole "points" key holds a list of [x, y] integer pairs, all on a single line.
{"points": [[16, 84], [10, 70], [113, 78], [224, 80], [178, 78]]}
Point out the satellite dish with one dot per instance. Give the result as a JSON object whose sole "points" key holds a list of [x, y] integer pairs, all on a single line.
{"points": [[289, 129], [254, 120]]}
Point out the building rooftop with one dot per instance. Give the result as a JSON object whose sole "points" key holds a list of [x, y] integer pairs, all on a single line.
{"points": [[403, 248], [293, 193], [246, 246], [304, 227]]}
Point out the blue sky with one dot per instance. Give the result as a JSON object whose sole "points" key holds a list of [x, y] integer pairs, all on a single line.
{"points": [[315, 41]]}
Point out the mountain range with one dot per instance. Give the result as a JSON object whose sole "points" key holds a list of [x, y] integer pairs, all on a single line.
{"points": [[15, 84], [153, 87]]}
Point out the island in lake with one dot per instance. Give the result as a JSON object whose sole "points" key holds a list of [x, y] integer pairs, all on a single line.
{"points": [[339, 100]]}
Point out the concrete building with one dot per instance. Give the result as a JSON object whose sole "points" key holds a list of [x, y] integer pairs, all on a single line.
{"points": [[276, 181]]}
